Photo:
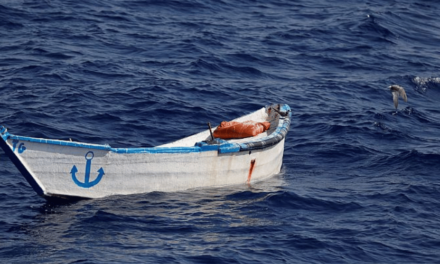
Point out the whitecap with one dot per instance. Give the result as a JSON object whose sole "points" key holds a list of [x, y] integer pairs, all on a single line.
{"points": [[424, 83]]}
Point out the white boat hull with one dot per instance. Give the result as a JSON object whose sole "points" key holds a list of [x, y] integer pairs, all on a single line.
{"points": [[58, 168]]}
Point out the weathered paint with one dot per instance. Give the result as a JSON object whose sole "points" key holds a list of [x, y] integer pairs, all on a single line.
{"points": [[64, 168], [251, 169]]}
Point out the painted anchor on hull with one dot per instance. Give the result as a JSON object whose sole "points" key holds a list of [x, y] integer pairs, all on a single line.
{"points": [[87, 183]]}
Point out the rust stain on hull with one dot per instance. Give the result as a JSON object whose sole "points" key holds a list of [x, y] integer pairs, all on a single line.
{"points": [[251, 169]]}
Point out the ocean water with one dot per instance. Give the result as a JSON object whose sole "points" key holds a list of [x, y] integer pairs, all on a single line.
{"points": [[359, 182]]}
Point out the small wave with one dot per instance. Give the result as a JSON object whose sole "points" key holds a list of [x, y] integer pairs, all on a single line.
{"points": [[395, 197], [302, 242], [111, 15], [177, 6], [291, 200], [59, 55], [423, 190], [373, 29], [203, 64], [237, 69], [120, 220], [412, 160], [423, 84], [247, 196], [11, 25]]}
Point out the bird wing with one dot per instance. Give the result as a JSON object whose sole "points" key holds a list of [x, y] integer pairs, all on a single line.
{"points": [[402, 94], [396, 98]]}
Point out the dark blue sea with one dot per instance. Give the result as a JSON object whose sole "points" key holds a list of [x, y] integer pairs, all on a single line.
{"points": [[360, 180]]}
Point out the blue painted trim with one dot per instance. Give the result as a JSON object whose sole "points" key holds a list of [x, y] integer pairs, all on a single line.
{"points": [[209, 147], [285, 108], [229, 148], [157, 150], [4, 133], [23, 170], [220, 145], [5, 136], [223, 146], [278, 135], [61, 143]]}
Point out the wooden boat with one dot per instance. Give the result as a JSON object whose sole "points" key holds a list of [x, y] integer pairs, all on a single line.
{"points": [[65, 169]]}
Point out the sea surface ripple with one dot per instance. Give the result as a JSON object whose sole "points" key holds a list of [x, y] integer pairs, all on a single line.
{"points": [[358, 184]]}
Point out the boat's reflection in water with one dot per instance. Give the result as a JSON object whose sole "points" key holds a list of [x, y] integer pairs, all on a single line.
{"points": [[147, 220]]}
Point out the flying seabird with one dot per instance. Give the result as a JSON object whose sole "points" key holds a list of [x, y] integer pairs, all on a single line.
{"points": [[397, 90]]}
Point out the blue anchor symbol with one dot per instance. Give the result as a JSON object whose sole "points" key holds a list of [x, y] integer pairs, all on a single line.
{"points": [[87, 183]]}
